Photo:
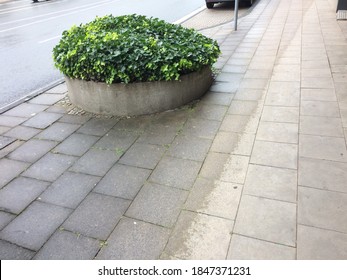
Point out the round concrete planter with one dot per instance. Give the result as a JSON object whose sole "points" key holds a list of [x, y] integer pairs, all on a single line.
{"points": [[138, 98]]}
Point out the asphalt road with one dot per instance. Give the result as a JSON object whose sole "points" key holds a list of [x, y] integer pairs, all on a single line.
{"points": [[29, 31]]}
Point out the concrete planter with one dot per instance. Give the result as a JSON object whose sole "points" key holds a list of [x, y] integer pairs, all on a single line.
{"points": [[138, 98]]}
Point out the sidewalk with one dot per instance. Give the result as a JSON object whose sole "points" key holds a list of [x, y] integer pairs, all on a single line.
{"points": [[256, 170]]}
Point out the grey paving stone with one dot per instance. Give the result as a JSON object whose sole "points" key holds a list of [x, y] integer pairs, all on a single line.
{"points": [[97, 127], [201, 128], [34, 226], [318, 94], [5, 218], [10, 169], [249, 94], [283, 98], [23, 132], [217, 98], [5, 141], [271, 182], [50, 167], [320, 244], [214, 198], [10, 148], [19, 193], [4, 129], [59, 89], [229, 77], [96, 162], [96, 216], [322, 147], [275, 154], [245, 248], [322, 174], [209, 112], [239, 124], [10, 121], [233, 143], [176, 172], [254, 83], [240, 69], [266, 219], [317, 82], [280, 114], [135, 240], [123, 181], [192, 148], [32, 150], [117, 140], [235, 169], [243, 107], [69, 190], [64, 245], [57, 108], [278, 132], [157, 204], [224, 87], [199, 236], [214, 165], [138, 124], [25, 110], [75, 119], [76, 144], [157, 138], [322, 126], [323, 209], [58, 131], [46, 99], [10, 251], [42, 120], [319, 108]]}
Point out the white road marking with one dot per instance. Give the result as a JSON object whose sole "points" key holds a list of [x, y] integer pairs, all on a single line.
{"points": [[50, 39], [183, 19]]}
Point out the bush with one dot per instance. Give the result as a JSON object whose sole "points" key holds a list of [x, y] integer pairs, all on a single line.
{"points": [[132, 48]]}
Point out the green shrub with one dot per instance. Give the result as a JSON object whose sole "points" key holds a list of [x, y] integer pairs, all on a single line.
{"points": [[132, 48]]}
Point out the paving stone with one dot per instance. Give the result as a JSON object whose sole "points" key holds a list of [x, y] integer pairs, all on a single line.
{"points": [[323, 209], [46, 99], [4, 129], [42, 120], [322, 126], [322, 174], [321, 147], [157, 204], [262, 74], [50, 167], [59, 89], [135, 240], [97, 127], [117, 140], [25, 110], [317, 82], [254, 83], [76, 144], [23, 132], [176, 172], [58, 131], [169, 121], [10, 169], [239, 124], [217, 98], [19, 193], [320, 244], [10, 251], [245, 248], [96, 162], [280, 114], [199, 236], [267, 219], [10, 121], [96, 216], [35, 225], [64, 245], [192, 148], [240, 69], [201, 128], [74, 119], [283, 98], [318, 94], [57, 108], [278, 132], [235, 169], [69, 190], [214, 165], [275, 154], [209, 112], [229, 77], [157, 138], [243, 107], [5, 219], [32, 150], [224, 87], [271, 182], [320, 108], [10, 148], [138, 124], [249, 94], [214, 198], [5, 141], [123, 181], [233, 143]]}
